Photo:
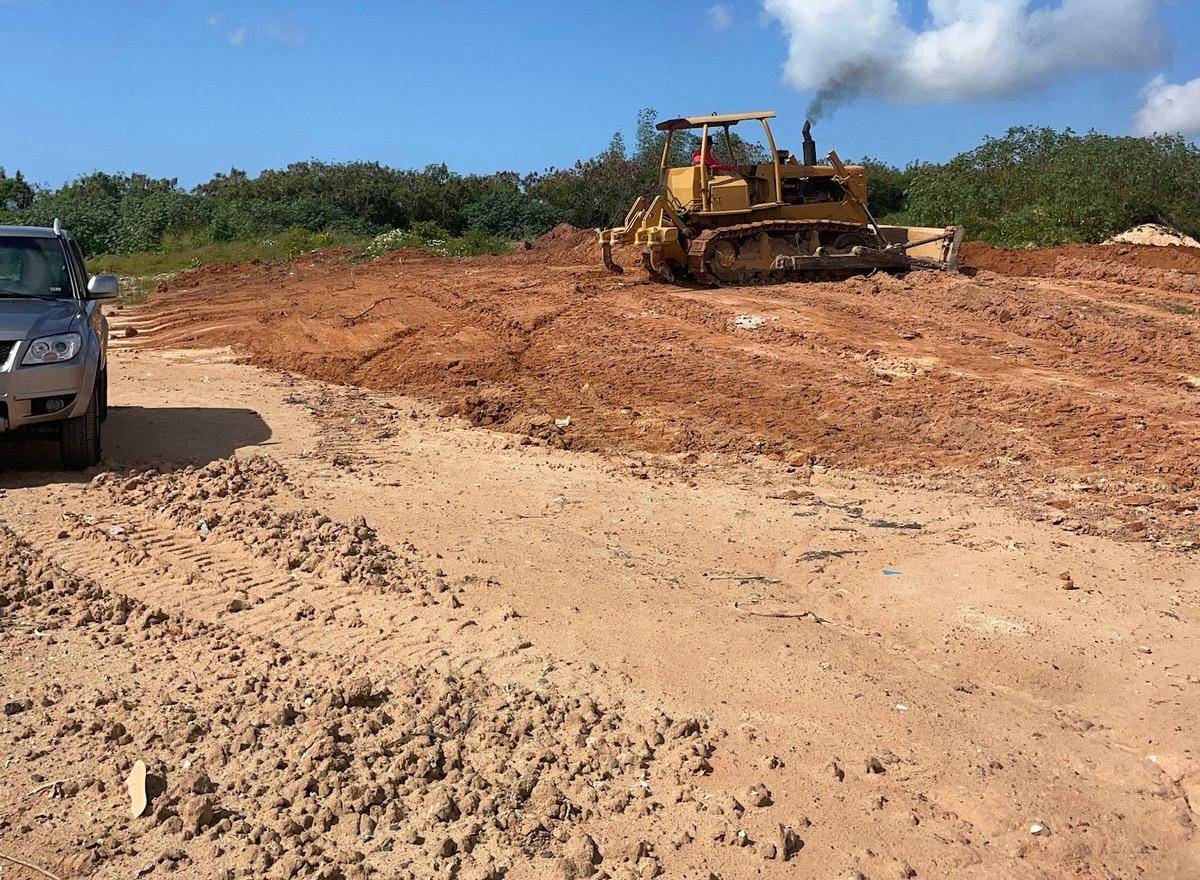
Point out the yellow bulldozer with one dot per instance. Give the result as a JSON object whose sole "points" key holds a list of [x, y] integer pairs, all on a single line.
{"points": [[780, 220]]}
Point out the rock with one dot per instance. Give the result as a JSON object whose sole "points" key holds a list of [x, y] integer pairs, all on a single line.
{"points": [[359, 691], [131, 332], [1039, 829], [442, 807], [874, 765], [1137, 499], [197, 813], [787, 842], [289, 865], [135, 784], [758, 795], [237, 604], [16, 707], [838, 773], [582, 852], [632, 848], [729, 806], [199, 783]]}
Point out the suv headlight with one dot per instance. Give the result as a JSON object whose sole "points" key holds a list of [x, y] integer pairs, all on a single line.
{"points": [[52, 349]]}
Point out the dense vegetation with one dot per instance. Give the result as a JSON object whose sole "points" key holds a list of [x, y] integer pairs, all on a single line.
{"points": [[1032, 186], [1039, 186]]}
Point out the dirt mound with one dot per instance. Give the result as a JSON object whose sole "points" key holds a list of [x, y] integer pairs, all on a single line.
{"points": [[564, 238], [1042, 262], [1154, 234], [264, 761], [565, 243], [897, 375], [1168, 280]]}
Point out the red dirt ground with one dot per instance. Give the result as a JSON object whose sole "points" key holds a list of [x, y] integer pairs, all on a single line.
{"points": [[1065, 376]]}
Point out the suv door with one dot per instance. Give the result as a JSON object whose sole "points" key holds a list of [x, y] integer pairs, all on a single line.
{"points": [[96, 321]]}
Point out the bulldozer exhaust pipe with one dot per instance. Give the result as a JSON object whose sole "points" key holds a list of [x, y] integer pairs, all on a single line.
{"points": [[810, 146]]}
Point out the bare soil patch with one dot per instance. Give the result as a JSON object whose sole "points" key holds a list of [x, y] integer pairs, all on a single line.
{"points": [[1067, 375]]}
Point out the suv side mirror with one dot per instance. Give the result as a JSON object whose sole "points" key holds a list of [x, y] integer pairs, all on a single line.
{"points": [[102, 287]]}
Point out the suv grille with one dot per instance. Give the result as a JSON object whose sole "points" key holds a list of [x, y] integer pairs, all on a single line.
{"points": [[5, 350]]}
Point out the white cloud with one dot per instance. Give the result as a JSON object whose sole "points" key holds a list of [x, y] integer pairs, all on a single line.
{"points": [[285, 33], [1169, 108], [966, 50], [234, 36], [719, 17]]}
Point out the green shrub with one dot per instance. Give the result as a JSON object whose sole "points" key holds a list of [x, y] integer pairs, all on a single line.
{"points": [[431, 237], [1036, 186], [1031, 186], [190, 252]]}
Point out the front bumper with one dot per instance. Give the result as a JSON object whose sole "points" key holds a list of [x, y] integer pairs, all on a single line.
{"points": [[25, 390]]}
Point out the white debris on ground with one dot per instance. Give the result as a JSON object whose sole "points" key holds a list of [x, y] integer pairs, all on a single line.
{"points": [[1154, 234], [750, 322]]}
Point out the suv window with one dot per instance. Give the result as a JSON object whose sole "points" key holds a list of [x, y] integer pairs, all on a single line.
{"points": [[33, 267], [81, 266]]}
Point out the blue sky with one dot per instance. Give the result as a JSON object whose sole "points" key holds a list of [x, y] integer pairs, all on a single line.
{"points": [[185, 89]]}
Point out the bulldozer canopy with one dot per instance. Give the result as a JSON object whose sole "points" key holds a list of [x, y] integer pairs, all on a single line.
{"points": [[701, 121]]}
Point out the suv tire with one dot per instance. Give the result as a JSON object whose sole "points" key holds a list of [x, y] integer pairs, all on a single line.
{"points": [[80, 437]]}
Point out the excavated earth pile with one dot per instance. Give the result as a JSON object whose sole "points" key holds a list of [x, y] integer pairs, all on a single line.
{"points": [[1067, 374]]}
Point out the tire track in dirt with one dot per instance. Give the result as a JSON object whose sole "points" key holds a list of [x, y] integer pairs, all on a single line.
{"points": [[220, 580], [161, 562], [292, 762]]}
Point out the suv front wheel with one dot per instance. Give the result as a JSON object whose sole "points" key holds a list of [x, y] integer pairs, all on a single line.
{"points": [[80, 437]]}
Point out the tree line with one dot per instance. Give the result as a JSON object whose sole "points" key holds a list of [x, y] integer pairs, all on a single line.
{"points": [[1033, 186]]}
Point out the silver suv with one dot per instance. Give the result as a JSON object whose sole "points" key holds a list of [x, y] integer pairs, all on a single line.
{"points": [[53, 342]]}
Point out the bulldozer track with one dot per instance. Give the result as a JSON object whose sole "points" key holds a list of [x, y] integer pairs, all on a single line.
{"points": [[702, 247]]}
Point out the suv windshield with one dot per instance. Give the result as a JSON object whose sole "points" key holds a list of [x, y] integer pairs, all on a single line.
{"points": [[33, 267]]}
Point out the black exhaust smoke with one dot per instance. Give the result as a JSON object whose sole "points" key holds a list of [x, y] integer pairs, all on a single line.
{"points": [[810, 146]]}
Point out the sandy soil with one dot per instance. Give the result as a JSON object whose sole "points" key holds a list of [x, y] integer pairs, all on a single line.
{"points": [[1155, 234], [899, 583]]}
